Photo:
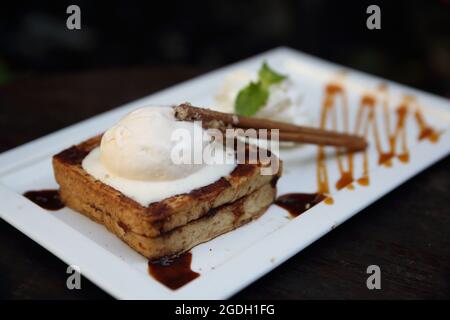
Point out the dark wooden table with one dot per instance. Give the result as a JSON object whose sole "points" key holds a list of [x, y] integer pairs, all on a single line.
{"points": [[406, 233]]}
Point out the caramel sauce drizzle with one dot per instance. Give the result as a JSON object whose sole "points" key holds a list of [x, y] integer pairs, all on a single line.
{"points": [[426, 132], [366, 125], [344, 160]]}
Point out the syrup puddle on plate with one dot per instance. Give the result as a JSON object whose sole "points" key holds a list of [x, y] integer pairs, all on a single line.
{"points": [[173, 272], [297, 203], [46, 199]]}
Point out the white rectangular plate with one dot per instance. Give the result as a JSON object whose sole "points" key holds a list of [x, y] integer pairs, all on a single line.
{"points": [[232, 261]]}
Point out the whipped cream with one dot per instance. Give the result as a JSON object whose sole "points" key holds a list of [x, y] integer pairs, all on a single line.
{"points": [[135, 157], [283, 103]]}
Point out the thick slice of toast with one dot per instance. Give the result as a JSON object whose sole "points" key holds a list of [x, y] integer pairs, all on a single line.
{"points": [[216, 222], [84, 193]]}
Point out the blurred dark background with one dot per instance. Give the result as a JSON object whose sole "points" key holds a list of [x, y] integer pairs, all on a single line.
{"points": [[413, 46]]}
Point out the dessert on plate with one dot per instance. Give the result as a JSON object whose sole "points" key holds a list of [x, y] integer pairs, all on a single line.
{"points": [[126, 179]]}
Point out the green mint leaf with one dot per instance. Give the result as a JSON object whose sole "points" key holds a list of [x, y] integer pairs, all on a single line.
{"points": [[251, 98], [255, 95], [267, 76]]}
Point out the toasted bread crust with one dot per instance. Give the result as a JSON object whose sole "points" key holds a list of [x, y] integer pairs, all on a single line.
{"points": [[218, 221], [84, 193]]}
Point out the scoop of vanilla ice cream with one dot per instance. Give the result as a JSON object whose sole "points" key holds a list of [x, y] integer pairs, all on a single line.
{"points": [[139, 146]]}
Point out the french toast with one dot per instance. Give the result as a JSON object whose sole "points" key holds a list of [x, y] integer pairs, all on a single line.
{"points": [[172, 225]]}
